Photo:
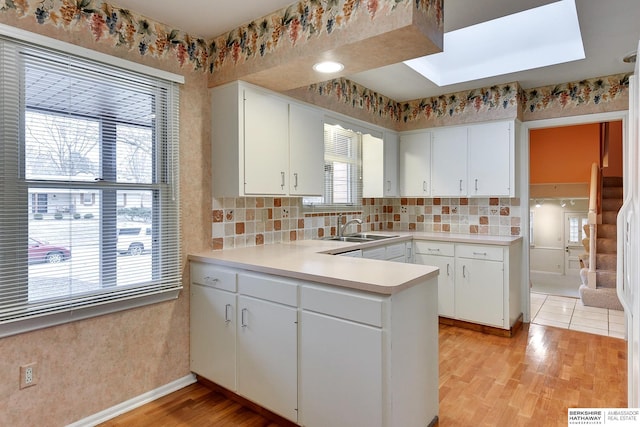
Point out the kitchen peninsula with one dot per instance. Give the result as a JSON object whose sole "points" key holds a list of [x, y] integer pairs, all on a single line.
{"points": [[315, 338]]}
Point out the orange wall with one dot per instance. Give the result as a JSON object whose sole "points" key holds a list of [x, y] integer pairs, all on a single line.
{"points": [[615, 150], [563, 154]]}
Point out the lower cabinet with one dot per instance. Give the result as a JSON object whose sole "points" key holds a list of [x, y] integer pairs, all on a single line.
{"points": [[441, 255], [315, 354], [246, 339], [368, 360], [478, 283], [396, 252]]}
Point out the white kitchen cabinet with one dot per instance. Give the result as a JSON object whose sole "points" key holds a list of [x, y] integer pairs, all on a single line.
{"points": [[397, 252], [367, 360], [267, 356], [251, 145], [415, 164], [492, 159], [478, 283], [391, 166], [372, 166], [449, 161], [213, 324], [266, 143], [441, 255], [474, 160], [380, 165], [479, 292], [306, 150]]}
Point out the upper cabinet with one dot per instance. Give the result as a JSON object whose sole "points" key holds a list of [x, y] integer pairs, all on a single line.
{"points": [[474, 161], [306, 150], [263, 144], [391, 164], [380, 165], [415, 164]]}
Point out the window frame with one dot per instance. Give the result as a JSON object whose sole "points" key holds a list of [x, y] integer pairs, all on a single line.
{"points": [[166, 188]]}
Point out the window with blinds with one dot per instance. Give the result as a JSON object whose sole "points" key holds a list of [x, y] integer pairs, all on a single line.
{"points": [[342, 170], [89, 204]]}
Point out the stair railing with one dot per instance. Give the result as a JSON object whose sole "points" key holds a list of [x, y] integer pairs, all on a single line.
{"points": [[592, 218]]}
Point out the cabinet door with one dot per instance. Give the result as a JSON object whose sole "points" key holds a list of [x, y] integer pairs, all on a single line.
{"points": [[266, 143], [372, 166], [446, 282], [479, 291], [306, 151], [415, 164], [391, 177], [449, 162], [213, 335], [490, 159], [267, 355], [340, 372]]}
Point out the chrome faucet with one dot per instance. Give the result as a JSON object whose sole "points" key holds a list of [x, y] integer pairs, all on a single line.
{"points": [[341, 228]]}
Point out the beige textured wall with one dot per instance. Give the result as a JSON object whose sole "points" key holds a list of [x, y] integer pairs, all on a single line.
{"points": [[87, 366]]}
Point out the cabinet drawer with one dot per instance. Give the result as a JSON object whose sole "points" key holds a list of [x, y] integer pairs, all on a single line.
{"points": [[396, 250], [213, 276], [434, 248], [343, 304], [269, 288], [374, 253], [493, 253]]}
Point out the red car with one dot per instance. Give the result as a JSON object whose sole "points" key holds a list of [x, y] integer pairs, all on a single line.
{"points": [[44, 252]]}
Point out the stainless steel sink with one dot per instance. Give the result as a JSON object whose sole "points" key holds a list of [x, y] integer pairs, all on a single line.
{"points": [[359, 237], [352, 239], [371, 236]]}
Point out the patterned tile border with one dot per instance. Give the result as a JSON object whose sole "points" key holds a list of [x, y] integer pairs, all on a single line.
{"points": [[251, 221]]}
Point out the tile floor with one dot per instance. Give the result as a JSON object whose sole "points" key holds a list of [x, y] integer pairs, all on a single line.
{"points": [[569, 313]]}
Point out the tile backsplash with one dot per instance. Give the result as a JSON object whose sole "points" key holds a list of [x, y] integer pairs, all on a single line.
{"points": [[250, 221]]}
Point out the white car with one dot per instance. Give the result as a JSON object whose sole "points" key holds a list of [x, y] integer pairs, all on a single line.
{"points": [[134, 238]]}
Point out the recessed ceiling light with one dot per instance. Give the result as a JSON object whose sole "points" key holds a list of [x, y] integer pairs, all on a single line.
{"points": [[328, 67]]}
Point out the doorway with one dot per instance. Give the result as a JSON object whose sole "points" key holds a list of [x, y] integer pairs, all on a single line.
{"points": [[529, 199]]}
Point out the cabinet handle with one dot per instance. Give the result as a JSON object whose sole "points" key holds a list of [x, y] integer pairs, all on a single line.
{"points": [[295, 180], [480, 253], [227, 316], [211, 280], [476, 184], [434, 250], [424, 186], [448, 269], [388, 185], [282, 180], [243, 322], [464, 271], [461, 186]]}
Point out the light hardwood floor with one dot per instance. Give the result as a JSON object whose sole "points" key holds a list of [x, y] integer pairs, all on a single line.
{"points": [[528, 380]]}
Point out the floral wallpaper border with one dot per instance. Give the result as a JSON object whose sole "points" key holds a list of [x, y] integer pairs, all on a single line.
{"points": [[118, 27], [573, 95], [300, 22], [122, 28]]}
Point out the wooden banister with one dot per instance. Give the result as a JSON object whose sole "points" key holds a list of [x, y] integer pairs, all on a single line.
{"points": [[594, 206]]}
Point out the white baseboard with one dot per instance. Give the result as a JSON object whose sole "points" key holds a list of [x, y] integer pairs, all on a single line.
{"points": [[135, 402]]}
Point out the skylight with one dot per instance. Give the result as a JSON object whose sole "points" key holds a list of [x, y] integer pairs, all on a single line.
{"points": [[538, 37]]}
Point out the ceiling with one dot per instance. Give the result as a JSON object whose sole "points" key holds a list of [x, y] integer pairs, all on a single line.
{"points": [[609, 29]]}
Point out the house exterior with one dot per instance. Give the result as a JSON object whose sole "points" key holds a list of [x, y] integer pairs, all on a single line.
{"points": [[90, 365]]}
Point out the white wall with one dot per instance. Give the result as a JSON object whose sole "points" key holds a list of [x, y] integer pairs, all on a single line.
{"points": [[547, 248]]}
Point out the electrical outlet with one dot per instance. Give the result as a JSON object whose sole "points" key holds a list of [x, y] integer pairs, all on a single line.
{"points": [[28, 375]]}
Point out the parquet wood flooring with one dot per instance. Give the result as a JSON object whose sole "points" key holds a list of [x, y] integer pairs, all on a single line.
{"points": [[528, 380]]}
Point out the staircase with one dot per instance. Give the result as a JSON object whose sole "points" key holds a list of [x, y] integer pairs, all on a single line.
{"points": [[604, 295]]}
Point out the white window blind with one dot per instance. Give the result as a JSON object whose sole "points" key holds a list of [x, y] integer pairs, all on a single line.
{"points": [[89, 203], [342, 169]]}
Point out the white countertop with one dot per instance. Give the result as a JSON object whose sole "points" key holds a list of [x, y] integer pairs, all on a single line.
{"points": [[311, 260]]}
